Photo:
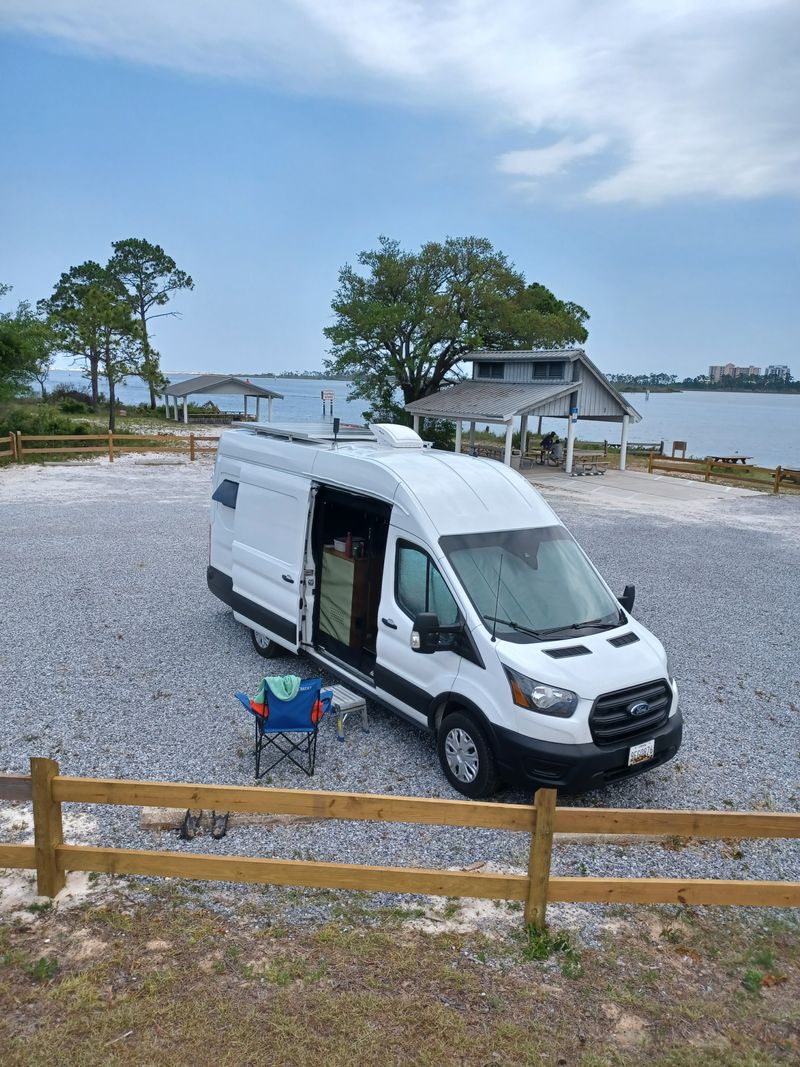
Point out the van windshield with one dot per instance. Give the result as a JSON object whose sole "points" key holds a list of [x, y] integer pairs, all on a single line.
{"points": [[531, 585]]}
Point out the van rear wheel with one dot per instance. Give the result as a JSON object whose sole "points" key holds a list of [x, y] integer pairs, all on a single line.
{"points": [[466, 756], [263, 646]]}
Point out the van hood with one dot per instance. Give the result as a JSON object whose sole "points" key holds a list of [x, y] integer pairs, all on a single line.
{"points": [[595, 665]]}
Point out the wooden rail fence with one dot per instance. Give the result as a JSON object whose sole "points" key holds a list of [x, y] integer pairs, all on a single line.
{"points": [[710, 468], [22, 445], [9, 452], [51, 857]]}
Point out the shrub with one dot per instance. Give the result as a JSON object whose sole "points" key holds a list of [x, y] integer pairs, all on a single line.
{"points": [[74, 407], [60, 393], [31, 420]]}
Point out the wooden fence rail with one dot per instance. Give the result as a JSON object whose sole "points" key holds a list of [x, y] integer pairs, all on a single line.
{"points": [[709, 468], [43, 445], [51, 857]]}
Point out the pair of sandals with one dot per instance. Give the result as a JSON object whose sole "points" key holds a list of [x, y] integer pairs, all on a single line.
{"points": [[191, 824]]}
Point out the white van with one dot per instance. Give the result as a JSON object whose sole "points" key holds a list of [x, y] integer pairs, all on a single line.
{"points": [[444, 587]]}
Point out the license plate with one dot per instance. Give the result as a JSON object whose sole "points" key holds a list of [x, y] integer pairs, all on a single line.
{"points": [[641, 753]]}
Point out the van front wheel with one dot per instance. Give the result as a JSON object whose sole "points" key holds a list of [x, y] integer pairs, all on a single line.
{"points": [[263, 646], [466, 756]]}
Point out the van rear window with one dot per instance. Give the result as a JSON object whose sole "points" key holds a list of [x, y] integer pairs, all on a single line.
{"points": [[226, 493]]}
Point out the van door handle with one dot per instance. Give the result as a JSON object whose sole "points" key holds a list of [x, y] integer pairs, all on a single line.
{"points": [[388, 622], [288, 578]]}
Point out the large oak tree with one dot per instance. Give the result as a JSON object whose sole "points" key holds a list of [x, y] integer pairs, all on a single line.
{"points": [[404, 320]]}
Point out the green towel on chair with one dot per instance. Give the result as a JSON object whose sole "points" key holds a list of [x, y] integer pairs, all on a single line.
{"points": [[282, 686]]}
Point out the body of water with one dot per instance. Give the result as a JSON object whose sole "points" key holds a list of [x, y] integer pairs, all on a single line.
{"points": [[765, 426]]}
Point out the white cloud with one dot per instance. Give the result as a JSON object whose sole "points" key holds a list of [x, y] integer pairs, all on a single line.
{"points": [[696, 99], [554, 159]]}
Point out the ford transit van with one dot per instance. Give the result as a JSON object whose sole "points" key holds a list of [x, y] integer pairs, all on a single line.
{"points": [[444, 587]]}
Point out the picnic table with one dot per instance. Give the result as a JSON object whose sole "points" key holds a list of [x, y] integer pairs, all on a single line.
{"points": [[735, 458], [589, 461], [490, 451]]}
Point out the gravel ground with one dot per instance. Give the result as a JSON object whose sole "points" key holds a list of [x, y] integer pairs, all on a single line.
{"points": [[116, 661]]}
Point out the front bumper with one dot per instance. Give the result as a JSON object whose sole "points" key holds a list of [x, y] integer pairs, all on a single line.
{"points": [[524, 761]]}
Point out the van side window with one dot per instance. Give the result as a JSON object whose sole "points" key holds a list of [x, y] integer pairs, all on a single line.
{"points": [[419, 586], [226, 493]]}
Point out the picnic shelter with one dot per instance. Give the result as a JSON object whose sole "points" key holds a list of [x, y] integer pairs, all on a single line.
{"points": [[551, 383], [218, 385]]}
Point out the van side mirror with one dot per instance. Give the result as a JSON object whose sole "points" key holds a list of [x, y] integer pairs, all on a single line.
{"points": [[425, 634], [628, 597]]}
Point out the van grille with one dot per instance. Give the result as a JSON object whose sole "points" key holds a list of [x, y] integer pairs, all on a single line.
{"points": [[629, 638], [565, 653], [610, 719]]}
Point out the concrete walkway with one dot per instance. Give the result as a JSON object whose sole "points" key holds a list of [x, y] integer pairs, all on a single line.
{"points": [[635, 487]]}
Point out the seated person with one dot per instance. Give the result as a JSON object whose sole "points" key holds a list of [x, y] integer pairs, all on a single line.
{"points": [[557, 452], [546, 446]]}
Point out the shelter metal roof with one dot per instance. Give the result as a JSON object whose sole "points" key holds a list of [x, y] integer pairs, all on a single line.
{"points": [[498, 401], [490, 401], [218, 385], [525, 355]]}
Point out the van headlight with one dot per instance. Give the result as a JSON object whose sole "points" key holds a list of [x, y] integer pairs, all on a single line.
{"points": [[538, 696]]}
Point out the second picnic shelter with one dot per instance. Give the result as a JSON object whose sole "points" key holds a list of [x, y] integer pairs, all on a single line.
{"points": [[552, 383], [218, 385]]}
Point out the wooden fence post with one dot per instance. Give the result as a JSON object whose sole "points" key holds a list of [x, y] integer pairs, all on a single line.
{"points": [[12, 444], [540, 858], [707, 477], [649, 462], [110, 447], [776, 488], [191, 447], [19, 446], [47, 829]]}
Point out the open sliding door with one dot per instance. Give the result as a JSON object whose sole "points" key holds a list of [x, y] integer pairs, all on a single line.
{"points": [[268, 553]]}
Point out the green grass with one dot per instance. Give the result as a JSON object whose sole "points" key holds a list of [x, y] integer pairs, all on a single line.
{"points": [[164, 983]]}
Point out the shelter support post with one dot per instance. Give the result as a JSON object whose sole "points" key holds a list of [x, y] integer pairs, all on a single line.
{"points": [[269, 409], [258, 409], [458, 435], [523, 435], [570, 444], [185, 411], [245, 406], [166, 406], [509, 436], [472, 437], [623, 443], [175, 407], [539, 427], [416, 424]]}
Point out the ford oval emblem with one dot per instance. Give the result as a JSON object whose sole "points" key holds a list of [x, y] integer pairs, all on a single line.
{"points": [[640, 708]]}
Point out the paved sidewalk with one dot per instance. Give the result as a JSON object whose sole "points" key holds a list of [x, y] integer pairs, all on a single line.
{"points": [[635, 487]]}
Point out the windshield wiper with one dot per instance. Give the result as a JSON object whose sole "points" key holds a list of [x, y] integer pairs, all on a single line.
{"points": [[517, 626], [596, 624]]}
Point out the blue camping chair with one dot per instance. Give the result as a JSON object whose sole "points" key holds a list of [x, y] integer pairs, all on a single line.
{"points": [[289, 727]]}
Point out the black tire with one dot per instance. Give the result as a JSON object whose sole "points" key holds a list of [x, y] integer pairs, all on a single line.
{"points": [[466, 756], [263, 646]]}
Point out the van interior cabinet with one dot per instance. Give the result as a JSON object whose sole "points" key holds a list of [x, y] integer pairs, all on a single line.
{"points": [[348, 598]]}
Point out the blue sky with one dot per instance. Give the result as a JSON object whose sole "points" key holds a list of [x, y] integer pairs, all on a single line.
{"points": [[645, 165]]}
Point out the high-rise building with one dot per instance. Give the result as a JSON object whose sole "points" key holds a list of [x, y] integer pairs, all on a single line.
{"points": [[729, 370], [778, 370]]}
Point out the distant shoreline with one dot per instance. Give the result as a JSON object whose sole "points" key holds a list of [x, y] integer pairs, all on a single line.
{"points": [[792, 390], [233, 374]]}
